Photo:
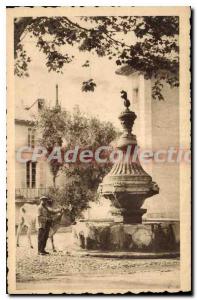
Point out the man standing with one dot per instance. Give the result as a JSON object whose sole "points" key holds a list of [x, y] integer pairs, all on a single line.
{"points": [[44, 223]]}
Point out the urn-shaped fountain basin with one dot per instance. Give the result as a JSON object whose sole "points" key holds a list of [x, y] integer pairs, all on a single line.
{"points": [[128, 186]]}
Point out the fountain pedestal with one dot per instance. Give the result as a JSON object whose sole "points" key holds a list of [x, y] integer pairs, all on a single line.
{"points": [[127, 185]]}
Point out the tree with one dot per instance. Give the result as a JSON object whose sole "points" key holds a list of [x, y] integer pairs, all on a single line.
{"points": [[155, 51], [51, 125], [88, 133]]}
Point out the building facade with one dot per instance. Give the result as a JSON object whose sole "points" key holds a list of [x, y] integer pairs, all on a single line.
{"points": [[32, 178]]}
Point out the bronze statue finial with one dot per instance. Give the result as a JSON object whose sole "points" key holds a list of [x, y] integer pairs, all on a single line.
{"points": [[126, 100]]}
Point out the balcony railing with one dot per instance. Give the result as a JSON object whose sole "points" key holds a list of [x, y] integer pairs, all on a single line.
{"points": [[28, 194]]}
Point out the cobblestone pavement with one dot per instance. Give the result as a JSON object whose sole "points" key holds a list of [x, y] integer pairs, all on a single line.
{"points": [[66, 270]]}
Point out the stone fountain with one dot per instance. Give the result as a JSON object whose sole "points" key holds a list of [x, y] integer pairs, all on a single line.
{"points": [[127, 186]]}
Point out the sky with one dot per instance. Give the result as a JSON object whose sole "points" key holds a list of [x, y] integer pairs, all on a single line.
{"points": [[104, 102]]}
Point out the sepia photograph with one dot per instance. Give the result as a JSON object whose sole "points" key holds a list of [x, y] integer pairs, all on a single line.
{"points": [[99, 158]]}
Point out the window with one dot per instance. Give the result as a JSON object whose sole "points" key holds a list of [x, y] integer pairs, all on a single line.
{"points": [[40, 104], [28, 174], [33, 177], [31, 174], [31, 137], [135, 94]]}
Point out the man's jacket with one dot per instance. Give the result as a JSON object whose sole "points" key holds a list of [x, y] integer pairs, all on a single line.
{"points": [[45, 215]]}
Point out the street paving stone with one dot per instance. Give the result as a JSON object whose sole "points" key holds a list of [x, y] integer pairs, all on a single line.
{"points": [[32, 267]]}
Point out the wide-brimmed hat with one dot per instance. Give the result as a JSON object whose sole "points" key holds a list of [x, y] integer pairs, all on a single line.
{"points": [[44, 198]]}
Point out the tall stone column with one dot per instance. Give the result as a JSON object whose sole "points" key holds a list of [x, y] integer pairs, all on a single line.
{"points": [[127, 185]]}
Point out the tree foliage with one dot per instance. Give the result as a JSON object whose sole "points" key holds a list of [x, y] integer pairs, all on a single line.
{"points": [[88, 133], [51, 126], [154, 52]]}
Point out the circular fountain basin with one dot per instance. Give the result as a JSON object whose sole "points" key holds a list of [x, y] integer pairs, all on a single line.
{"points": [[107, 235]]}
